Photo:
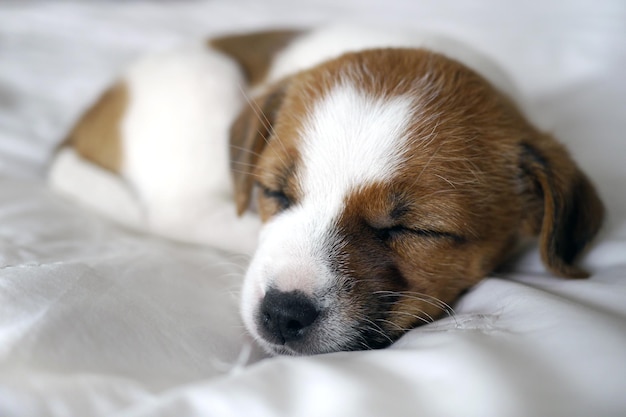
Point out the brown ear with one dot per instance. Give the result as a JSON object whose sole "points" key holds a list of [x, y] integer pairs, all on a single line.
{"points": [[564, 208], [249, 134]]}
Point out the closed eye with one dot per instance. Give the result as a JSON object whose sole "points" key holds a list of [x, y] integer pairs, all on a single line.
{"points": [[278, 196], [389, 233]]}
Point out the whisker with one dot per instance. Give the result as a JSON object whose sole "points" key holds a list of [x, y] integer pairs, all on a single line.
{"points": [[255, 108], [245, 164], [241, 148], [258, 111], [400, 328], [246, 173], [434, 301], [376, 328], [362, 341], [415, 316], [428, 299], [372, 327]]}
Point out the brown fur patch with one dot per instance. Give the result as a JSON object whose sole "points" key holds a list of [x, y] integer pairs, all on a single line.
{"points": [[567, 212], [255, 52], [96, 136]]}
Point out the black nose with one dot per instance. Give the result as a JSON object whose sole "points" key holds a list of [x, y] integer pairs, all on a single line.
{"points": [[286, 316]]}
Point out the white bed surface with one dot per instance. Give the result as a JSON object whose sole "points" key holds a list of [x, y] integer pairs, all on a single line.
{"points": [[99, 321]]}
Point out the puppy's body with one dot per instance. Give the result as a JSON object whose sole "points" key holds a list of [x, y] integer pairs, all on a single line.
{"points": [[171, 158], [390, 180]]}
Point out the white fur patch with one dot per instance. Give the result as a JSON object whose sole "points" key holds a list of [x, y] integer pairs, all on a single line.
{"points": [[350, 140], [175, 135], [97, 188], [176, 128]]}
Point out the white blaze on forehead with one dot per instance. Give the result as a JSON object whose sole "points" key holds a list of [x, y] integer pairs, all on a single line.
{"points": [[352, 138]]}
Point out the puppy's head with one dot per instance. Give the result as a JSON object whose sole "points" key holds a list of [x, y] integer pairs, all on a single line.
{"points": [[389, 182]]}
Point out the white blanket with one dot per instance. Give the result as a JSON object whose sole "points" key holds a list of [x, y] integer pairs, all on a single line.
{"points": [[100, 321]]}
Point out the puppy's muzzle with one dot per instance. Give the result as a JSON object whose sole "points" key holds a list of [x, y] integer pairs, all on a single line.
{"points": [[286, 317]]}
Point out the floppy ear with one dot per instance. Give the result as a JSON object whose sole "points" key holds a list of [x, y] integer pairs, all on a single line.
{"points": [[249, 134], [563, 206]]}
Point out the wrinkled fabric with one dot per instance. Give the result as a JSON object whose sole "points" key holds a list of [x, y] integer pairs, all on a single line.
{"points": [[96, 320]]}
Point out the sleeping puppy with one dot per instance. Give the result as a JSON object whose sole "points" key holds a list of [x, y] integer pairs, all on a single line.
{"points": [[391, 172]]}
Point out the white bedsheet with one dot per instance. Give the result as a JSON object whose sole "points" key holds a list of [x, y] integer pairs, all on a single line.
{"points": [[99, 321]]}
